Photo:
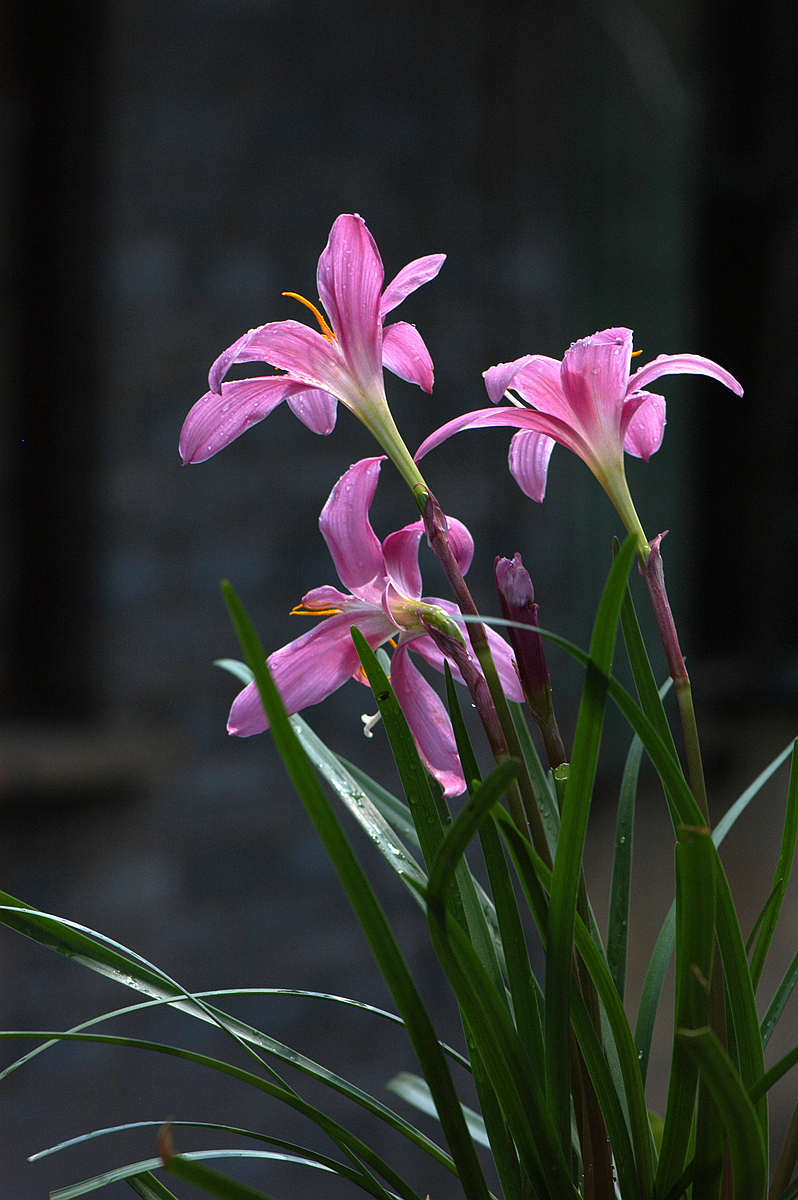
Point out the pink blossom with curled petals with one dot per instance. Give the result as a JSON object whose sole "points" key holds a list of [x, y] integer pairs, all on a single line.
{"points": [[344, 361], [384, 601], [589, 402]]}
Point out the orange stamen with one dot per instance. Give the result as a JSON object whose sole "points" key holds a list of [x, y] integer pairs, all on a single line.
{"points": [[302, 610], [636, 352], [325, 328]]}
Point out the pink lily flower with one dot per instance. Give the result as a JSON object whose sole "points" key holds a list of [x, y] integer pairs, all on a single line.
{"points": [[384, 602], [589, 402], [342, 362]]}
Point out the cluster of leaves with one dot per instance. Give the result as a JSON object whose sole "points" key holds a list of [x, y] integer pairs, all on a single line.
{"points": [[550, 1059]]}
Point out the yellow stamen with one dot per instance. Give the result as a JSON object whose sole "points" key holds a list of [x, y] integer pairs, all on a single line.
{"points": [[636, 352], [302, 610], [325, 328]]}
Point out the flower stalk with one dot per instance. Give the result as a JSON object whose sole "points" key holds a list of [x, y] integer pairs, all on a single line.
{"points": [[496, 716]]}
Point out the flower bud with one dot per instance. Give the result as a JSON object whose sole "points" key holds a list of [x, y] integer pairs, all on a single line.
{"points": [[517, 601]]}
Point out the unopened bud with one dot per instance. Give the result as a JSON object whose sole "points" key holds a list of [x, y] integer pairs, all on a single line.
{"points": [[517, 602]]}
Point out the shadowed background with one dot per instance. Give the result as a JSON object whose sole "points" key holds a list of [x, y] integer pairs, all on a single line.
{"points": [[169, 171]]}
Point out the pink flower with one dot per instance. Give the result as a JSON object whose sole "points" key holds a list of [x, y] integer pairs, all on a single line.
{"points": [[342, 362], [384, 602], [588, 402]]}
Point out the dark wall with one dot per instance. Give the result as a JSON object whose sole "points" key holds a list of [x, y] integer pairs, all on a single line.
{"points": [[173, 169]]}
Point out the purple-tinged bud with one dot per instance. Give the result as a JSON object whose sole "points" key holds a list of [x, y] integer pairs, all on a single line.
{"points": [[517, 602]]}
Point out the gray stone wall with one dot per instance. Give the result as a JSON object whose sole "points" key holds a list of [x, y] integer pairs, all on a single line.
{"points": [[233, 133]]}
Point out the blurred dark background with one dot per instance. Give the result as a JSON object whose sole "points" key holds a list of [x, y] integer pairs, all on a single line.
{"points": [[168, 171]]}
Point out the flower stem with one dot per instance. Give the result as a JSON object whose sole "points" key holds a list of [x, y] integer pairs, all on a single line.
{"points": [[491, 705], [381, 424], [650, 560], [654, 575]]}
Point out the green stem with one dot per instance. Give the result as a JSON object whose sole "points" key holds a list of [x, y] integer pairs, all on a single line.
{"points": [[381, 425], [651, 569], [493, 708]]}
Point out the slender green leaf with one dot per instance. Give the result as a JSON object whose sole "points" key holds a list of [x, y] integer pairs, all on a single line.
{"points": [[137, 1172], [532, 870], [663, 949], [684, 810], [149, 1188], [695, 942], [783, 868], [414, 1090], [295, 1152], [541, 782], [597, 1066], [415, 778], [392, 808], [266, 1042], [573, 827], [620, 887], [779, 1069], [359, 792], [359, 803], [649, 695], [776, 1006], [111, 959], [527, 997], [746, 1143], [369, 912], [352, 1146], [212, 1182], [652, 989], [238, 669], [291, 1057], [452, 848], [516, 1085], [741, 803]]}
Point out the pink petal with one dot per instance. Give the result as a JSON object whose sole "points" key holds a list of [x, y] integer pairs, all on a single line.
{"points": [[529, 462], [426, 648], [401, 554], [499, 378], [219, 418], [594, 376], [296, 348], [400, 551], [461, 543], [538, 382], [419, 271], [505, 665], [349, 278], [429, 723], [521, 418], [308, 669], [646, 425], [327, 596], [682, 364], [404, 353], [231, 355], [316, 409], [345, 526]]}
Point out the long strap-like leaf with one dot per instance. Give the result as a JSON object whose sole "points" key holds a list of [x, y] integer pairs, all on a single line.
{"points": [[369, 912], [567, 870]]}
